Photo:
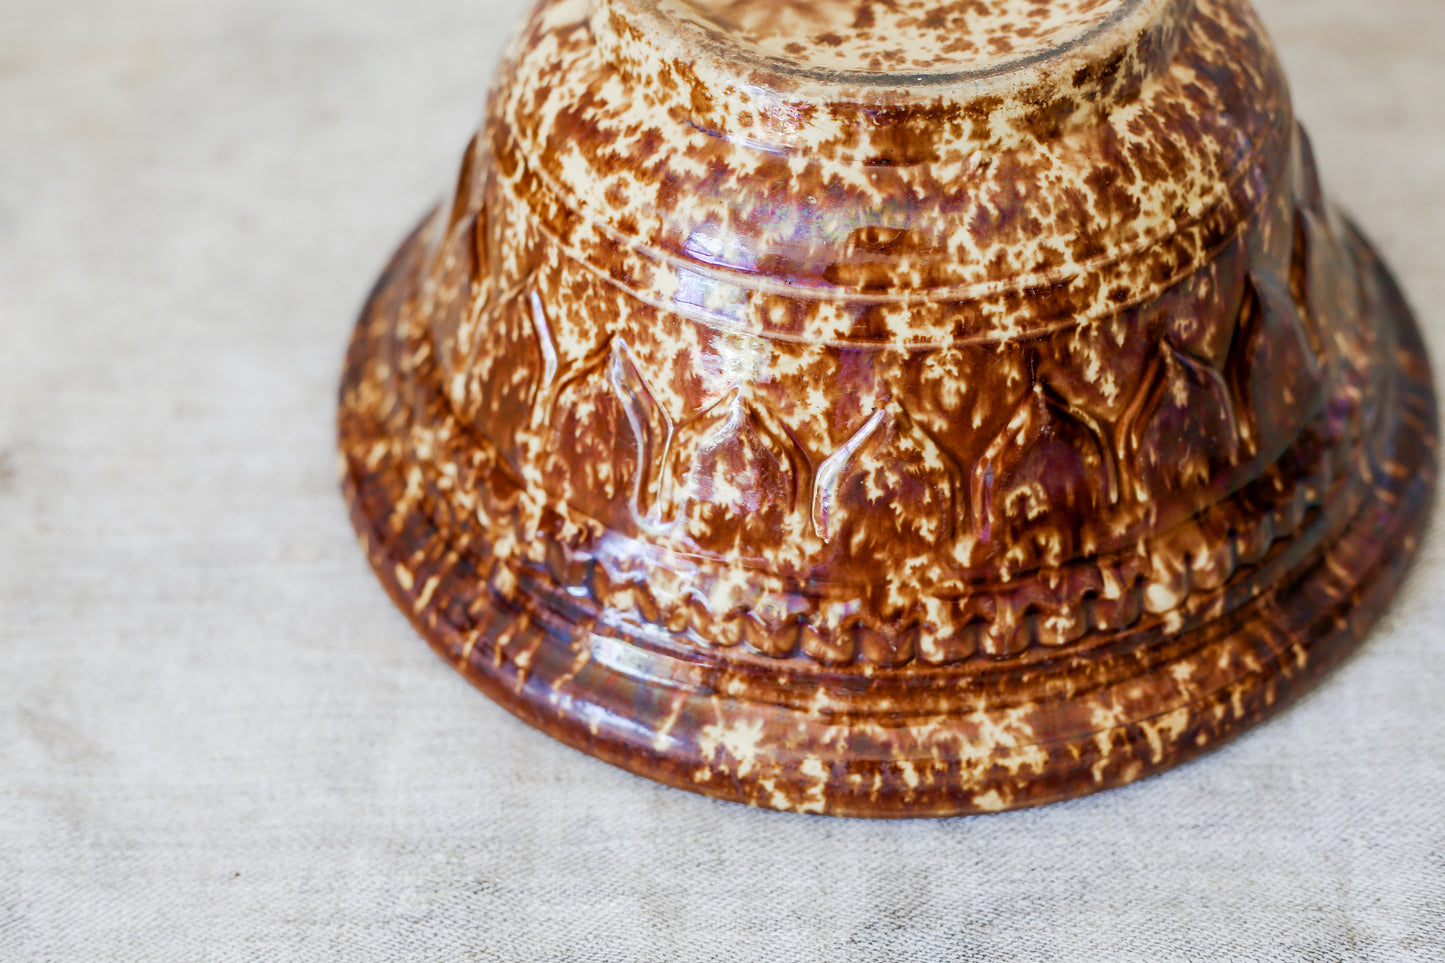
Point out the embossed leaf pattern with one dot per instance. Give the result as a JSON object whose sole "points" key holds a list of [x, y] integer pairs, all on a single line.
{"points": [[584, 405], [451, 298], [1181, 433], [471, 184], [736, 477], [512, 364], [1274, 370], [1200, 313], [1095, 367], [1048, 474], [650, 427], [542, 329], [889, 485], [462, 282]]}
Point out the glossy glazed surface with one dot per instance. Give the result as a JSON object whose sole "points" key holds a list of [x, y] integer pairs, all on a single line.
{"points": [[914, 37], [969, 426]]}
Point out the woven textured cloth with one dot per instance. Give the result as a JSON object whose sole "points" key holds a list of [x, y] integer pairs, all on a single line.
{"points": [[219, 740]]}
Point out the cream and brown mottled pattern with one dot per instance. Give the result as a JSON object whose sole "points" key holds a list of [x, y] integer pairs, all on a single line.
{"points": [[889, 409], [897, 36]]}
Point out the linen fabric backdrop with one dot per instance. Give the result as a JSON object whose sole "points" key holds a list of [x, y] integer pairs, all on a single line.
{"points": [[220, 741]]}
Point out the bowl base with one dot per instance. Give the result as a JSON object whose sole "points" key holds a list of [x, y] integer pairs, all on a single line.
{"points": [[972, 750]]}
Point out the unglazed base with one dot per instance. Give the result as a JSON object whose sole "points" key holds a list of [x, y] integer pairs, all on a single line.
{"points": [[917, 740]]}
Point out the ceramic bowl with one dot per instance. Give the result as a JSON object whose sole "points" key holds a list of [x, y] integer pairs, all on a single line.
{"points": [[896, 408]]}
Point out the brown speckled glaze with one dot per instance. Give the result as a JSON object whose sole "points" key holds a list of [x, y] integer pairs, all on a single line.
{"points": [[889, 407]]}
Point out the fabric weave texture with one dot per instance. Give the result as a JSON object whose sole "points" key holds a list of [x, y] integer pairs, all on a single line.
{"points": [[219, 741]]}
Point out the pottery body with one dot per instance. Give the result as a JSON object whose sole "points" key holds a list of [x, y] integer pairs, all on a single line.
{"points": [[889, 409]]}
